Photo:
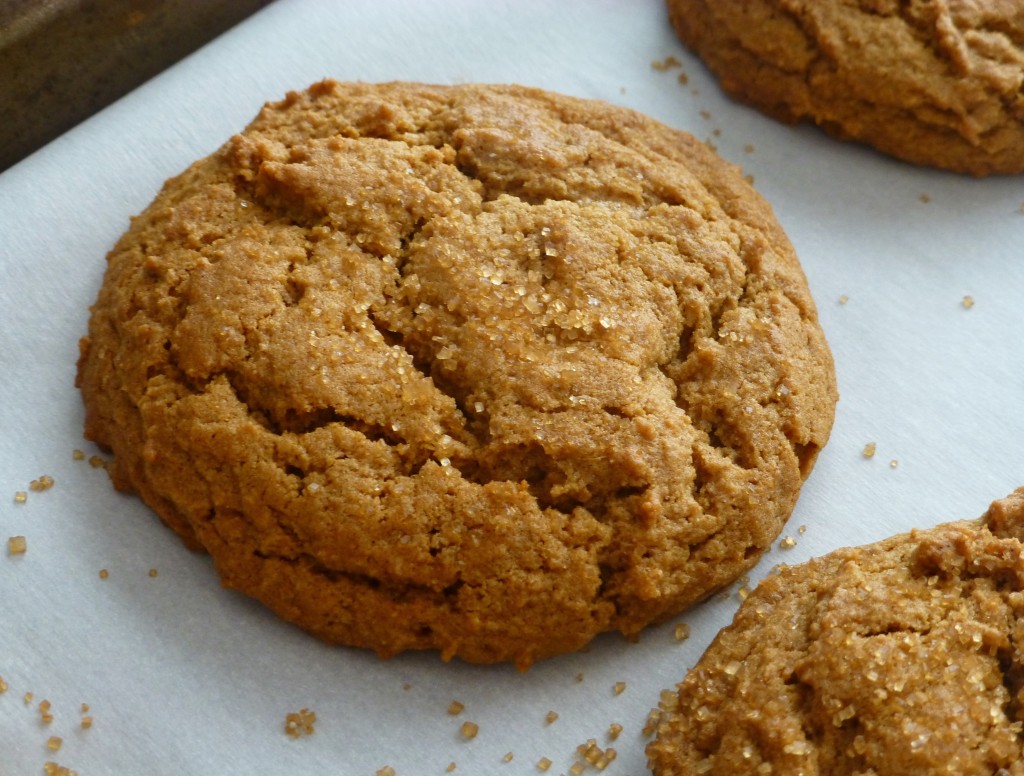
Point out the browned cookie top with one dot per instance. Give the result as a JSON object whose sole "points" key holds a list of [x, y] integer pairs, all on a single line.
{"points": [[901, 657], [475, 368], [934, 82]]}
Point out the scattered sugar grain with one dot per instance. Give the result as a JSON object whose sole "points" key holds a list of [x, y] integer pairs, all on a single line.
{"points": [[54, 743], [77, 455], [300, 723], [28, 698], [17, 545], [53, 769], [968, 302], [456, 707], [683, 79], [550, 717], [451, 767], [893, 463], [614, 731], [508, 757], [469, 730], [20, 497], [3, 685], [619, 687], [682, 631], [843, 299], [45, 482], [788, 543], [387, 770], [925, 199], [153, 572], [869, 450], [543, 764], [86, 722]]}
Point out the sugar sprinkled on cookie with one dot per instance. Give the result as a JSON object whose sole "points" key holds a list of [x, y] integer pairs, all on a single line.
{"points": [[480, 369]]}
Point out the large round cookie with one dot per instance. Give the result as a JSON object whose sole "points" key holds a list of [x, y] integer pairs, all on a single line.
{"points": [[477, 368], [896, 658], [935, 82]]}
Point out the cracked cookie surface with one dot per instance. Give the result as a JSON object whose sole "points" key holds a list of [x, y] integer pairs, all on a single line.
{"points": [[480, 369], [933, 82], [900, 657]]}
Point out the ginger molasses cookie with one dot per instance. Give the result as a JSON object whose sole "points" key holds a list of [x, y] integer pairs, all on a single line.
{"points": [[936, 82], [901, 657], [480, 369]]}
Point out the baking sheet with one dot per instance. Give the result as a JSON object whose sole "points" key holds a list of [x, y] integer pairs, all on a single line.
{"points": [[182, 677]]}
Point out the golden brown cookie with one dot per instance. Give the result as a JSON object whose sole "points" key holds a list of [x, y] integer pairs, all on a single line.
{"points": [[934, 82], [475, 368], [901, 657]]}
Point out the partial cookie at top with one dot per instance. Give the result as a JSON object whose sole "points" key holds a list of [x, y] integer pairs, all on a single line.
{"points": [[481, 369], [936, 82], [901, 657]]}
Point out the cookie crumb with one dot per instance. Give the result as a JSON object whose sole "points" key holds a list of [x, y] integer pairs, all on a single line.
{"points": [[682, 631], [788, 543], [97, 462], [104, 573], [614, 731], [661, 65], [683, 79], [619, 687], [469, 730], [843, 299], [54, 743], [86, 722], [27, 698], [924, 198], [17, 545], [550, 717], [77, 455], [153, 572], [543, 764], [749, 179], [579, 677], [968, 302], [44, 712], [455, 708], [407, 686], [300, 723], [706, 115], [869, 450], [507, 758], [802, 529], [3, 685], [748, 148], [387, 770], [451, 767], [20, 497]]}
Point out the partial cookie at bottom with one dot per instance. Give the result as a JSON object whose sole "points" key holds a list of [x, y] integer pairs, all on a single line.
{"points": [[901, 657]]}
